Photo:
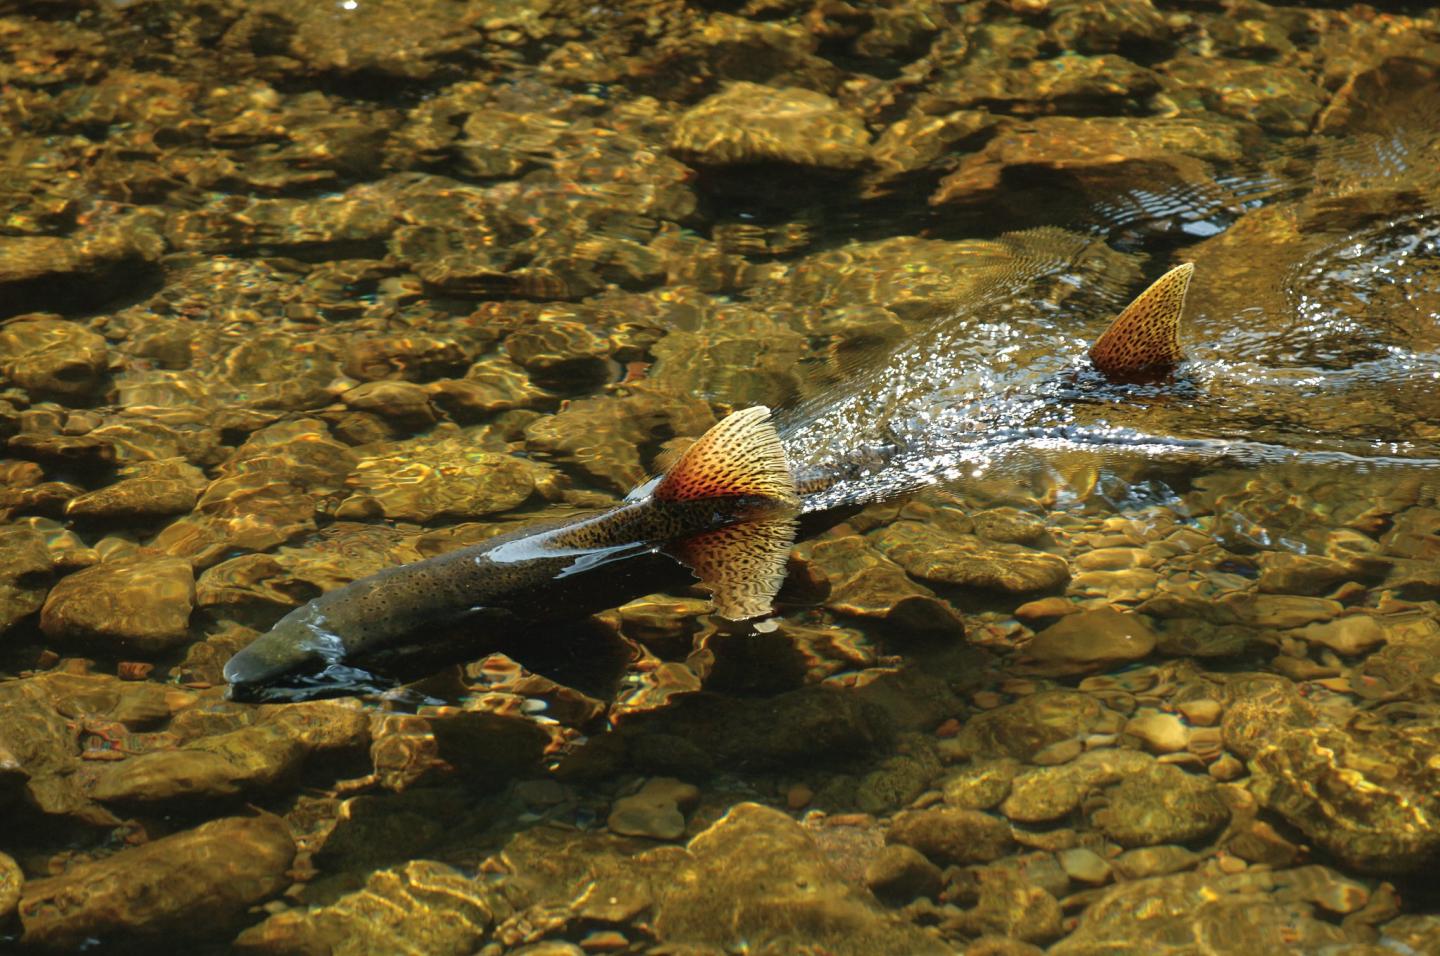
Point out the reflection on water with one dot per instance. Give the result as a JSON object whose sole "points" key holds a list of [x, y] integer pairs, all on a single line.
{"points": [[294, 293]]}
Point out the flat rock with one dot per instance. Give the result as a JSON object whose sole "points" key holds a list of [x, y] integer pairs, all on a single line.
{"points": [[189, 885], [655, 811], [141, 604], [1093, 639]]}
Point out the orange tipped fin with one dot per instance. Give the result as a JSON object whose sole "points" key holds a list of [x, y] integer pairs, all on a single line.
{"points": [[740, 456], [1146, 336], [743, 565]]}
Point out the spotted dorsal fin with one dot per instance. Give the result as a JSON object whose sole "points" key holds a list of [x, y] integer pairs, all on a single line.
{"points": [[1145, 338], [739, 457], [742, 565]]}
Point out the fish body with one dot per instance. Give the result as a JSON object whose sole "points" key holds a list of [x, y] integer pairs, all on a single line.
{"points": [[727, 511]]}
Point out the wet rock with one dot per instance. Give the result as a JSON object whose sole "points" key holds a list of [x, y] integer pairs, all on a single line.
{"points": [[421, 906], [748, 123], [562, 354], [949, 835], [25, 565], [1282, 573], [1095, 28], [755, 876], [1048, 794], [1189, 911], [405, 403], [11, 882], [1008, 526], [657, 810], [251, 759], [981, 785], [1084, 866], [1066, 84], [146, 488], [863, 583], [899, 874], [1161, 804], [1010, 906], [1281, 99], [418, 358], [1034, 722], [1148, 861], [1091, 640], [52, 357], [443, 473], [971, 562], [186, 886], [141, 603], [1356, 794], [1160, 732], [1095, 152], [1350, 635]]}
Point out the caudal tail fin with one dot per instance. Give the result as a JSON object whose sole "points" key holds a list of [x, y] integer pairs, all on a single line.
{"points": [[743, 564], [740, 457], [1144, 340]]}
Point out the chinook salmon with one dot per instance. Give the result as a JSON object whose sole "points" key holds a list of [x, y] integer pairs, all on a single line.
{"points": [[727, 511]]}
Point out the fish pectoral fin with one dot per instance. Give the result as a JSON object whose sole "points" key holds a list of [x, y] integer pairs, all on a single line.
{"points": [[741, 456], [743, 565], [1146, 336]]}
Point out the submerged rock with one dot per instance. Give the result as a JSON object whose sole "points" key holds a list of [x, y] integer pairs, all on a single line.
{"points": [[11, 882], [421, 906], [950, 835], [657, 810], [187, 886], [750, 123], [1092, 639], [49, 356], [25, 565], [755, 878], [140, 603]]}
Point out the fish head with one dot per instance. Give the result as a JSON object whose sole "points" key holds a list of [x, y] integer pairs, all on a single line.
{"points": [[299, 658]]}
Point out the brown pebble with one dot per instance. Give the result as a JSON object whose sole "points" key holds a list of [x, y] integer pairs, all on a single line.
{"points": [[948, 728], [604, 941], [850, 820], [1226, 767], [987, 699], [799, 796]]}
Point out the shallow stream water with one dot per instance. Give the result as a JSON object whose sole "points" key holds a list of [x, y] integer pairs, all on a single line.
{"points": [[291, 293]]}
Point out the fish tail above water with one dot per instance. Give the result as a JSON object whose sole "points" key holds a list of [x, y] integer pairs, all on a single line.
{"points": [[1144, 340], [740, 456], [741, 564]]}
